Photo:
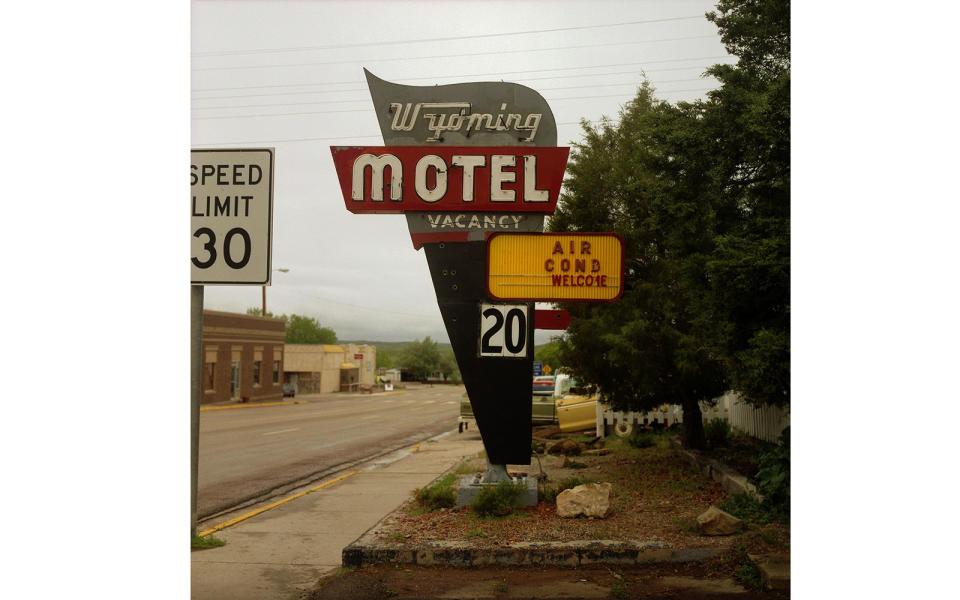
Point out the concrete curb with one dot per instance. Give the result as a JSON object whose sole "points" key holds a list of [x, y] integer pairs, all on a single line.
{"points": [[366, 550], [732, 481]]}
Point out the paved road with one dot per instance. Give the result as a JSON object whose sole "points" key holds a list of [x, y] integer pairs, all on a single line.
{"points": [[247, 451]]}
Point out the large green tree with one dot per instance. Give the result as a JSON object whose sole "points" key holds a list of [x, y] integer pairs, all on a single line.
{"points": [[301, 329], [420, 358], [700, 194], [748, 120]]}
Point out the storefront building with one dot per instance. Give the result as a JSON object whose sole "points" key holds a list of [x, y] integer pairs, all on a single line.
{"points": [[242, 357], [325, 368]]}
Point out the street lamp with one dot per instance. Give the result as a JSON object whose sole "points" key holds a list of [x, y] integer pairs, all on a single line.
{"points": [[264, 313]]}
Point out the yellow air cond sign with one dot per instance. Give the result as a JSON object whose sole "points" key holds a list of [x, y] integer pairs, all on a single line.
{"points": [[555, 267]]}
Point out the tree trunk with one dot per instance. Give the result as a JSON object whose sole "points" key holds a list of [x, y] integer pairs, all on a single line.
{"points": [[693, 437]]}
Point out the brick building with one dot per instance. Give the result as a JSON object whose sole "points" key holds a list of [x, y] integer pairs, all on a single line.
{"points": [[242, 357]]}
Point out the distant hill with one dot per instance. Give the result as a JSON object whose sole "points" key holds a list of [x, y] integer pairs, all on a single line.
{"points": [[393, 347]]}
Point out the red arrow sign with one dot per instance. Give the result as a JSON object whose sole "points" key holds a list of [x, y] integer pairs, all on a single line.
{"points": [[398, 179], [551, 319]]}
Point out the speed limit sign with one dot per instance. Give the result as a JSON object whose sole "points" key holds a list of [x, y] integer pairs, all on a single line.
{"points": [[503, 330], [231, 217]]}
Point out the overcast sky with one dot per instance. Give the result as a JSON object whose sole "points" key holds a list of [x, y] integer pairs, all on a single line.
{"points": [[289, 75]]}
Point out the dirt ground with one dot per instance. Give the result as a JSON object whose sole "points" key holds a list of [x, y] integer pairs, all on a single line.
{"points": [[656, 497], [695, 581]]}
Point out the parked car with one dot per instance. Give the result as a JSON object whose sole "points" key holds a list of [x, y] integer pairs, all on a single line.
{"points": [[543, 411], [544, 385], [577, 411]]}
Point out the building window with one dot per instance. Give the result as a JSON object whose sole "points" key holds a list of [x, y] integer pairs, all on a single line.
{"points": [[208, 371], [256, 372], [276, 371]]}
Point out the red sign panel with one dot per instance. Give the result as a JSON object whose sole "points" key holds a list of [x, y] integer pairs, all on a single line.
{"points": [[551, 319], [357, 356], [399, 179]]}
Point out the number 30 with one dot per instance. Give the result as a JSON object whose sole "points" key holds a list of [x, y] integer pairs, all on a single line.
{"points": [[210, 247]]}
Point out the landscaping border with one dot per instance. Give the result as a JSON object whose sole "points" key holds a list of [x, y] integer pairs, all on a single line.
{"points": [[732, 481]]}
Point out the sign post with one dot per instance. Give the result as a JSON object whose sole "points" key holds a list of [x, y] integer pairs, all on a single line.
{"points": [[467, 163], [231, 243]]}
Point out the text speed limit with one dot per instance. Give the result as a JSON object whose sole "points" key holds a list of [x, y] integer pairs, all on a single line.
{"points": [[231, 216], [503, 330]]}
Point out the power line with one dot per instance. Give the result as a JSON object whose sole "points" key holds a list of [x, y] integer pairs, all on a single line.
{"points": [[569, 87], [364, 89], [498, 74], [470, 54], [442, 39], [467, 54], [378, 309], [327, 112]]}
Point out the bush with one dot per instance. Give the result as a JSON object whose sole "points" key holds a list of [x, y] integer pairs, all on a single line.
{"points": [[773, 478], [717, 432], [642, 440], [439, 495], [498, 500]]}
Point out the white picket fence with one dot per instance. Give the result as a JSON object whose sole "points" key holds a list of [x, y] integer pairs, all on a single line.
{"points": [[764, 423]]}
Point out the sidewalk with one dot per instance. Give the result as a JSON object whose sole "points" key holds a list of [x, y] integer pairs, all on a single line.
{"points": [[281, 552]]}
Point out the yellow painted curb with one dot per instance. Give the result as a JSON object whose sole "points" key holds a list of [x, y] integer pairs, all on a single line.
{"points": [[415, 448], [253, 405], [254, 513]]}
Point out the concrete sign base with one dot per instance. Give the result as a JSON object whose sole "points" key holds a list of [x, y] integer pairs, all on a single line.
{"points": [[470, 486]]}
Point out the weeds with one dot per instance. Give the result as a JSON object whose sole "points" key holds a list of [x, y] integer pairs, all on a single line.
{"points": [[717, 432], [641, 440], [746, 572], [465, 468], [498, 500], [688, 526], [439, 495], [207, 541]]}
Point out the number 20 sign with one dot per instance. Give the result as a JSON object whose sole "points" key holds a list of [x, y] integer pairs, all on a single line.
{"points": [[503, 330]]}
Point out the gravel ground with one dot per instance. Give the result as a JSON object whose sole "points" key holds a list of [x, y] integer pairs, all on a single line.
{"points": [[656, 496]]}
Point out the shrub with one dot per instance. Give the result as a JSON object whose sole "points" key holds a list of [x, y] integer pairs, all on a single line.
{"points": [[717, 433], [498, 500], [773, 478], [642, 440], [439, 495]]}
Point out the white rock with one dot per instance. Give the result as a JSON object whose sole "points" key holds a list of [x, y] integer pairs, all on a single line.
{"points": [[589, 500], [717, 522]]}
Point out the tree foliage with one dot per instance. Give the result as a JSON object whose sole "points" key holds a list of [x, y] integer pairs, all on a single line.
{"points": [[420, 359], [700, 194], [549, 354], [384, 359], [301, 329]]}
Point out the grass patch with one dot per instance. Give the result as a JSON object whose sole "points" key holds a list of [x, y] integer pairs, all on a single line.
{"points": [[688, 526], [439, 495], [642, 440], [207, 541], [466, 468], [498, 500]]}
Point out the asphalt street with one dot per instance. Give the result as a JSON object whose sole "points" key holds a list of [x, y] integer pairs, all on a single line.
{"points": [[245, 452]]}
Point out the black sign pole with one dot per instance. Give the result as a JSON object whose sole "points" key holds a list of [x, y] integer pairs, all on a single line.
{"points": [[196, 377], [474, 114]]}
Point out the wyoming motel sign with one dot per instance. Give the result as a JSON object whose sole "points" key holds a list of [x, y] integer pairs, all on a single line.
{"points": [[463, 162]]}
